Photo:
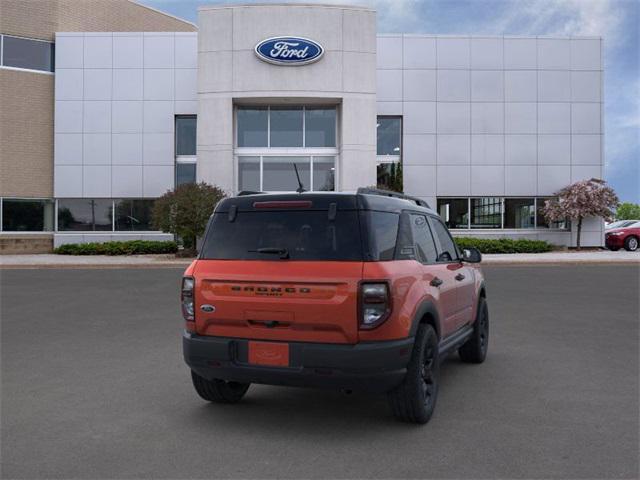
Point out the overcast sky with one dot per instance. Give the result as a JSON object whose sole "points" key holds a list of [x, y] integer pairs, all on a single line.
{"points": [[617, 21]]}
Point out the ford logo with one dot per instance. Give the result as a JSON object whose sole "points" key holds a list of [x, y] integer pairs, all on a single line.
{"points": [[289, 51]]}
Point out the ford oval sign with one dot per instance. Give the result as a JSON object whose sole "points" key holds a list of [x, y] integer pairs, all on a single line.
{"points": [[289, 51]]}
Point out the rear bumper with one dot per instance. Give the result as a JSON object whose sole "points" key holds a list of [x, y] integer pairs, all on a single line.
{"points": [[372, 366]]}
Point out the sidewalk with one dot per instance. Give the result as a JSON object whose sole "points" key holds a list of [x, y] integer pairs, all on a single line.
{"points": [[169, 261]]}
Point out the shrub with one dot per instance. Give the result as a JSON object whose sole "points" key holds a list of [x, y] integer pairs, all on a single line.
{"points": [[504, 245], [132, 247], [185, 211]]}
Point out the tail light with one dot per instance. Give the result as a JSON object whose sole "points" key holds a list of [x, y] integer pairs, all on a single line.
{"points": [[186, 298], [375, 304]]}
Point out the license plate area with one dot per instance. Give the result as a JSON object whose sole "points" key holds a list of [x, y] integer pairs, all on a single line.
{"points": [[269, 354]]}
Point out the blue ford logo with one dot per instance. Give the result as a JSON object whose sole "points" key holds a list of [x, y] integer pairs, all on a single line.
{"points": [[289, 50]]}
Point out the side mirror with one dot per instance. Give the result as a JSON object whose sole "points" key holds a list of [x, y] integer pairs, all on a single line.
{"points": [[471, 255]]}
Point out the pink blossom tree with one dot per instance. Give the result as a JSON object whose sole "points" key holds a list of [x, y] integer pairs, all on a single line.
{"points": [[586, 198]]}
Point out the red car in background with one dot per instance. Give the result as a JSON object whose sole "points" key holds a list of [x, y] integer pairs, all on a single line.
{"points": [[626, 237]]}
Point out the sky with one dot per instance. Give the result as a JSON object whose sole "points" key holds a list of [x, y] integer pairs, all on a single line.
{"points": [[617, 21]]}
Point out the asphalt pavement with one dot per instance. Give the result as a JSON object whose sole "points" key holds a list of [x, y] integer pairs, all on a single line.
{"points": [[94, 386]]}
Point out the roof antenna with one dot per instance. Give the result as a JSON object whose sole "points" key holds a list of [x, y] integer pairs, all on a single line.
{"points": [[300, 188]]}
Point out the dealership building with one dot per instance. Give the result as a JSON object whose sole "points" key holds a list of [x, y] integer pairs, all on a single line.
{"points": [[107, 105]]}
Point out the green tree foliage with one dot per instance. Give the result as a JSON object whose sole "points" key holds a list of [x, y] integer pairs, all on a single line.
{"points": [[628, 211], [185, 211]]}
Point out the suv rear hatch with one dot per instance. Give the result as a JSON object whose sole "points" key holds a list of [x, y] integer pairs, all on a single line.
{"points": [[283, 267]]}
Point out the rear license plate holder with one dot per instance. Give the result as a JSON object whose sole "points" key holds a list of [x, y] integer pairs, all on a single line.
{"points": [[269, 354]]}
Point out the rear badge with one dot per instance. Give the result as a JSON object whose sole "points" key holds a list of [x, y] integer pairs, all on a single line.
{"points": [[208, 308]]}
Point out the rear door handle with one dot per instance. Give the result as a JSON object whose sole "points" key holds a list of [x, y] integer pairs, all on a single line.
{"points": [[459, 277], [436, 282]]}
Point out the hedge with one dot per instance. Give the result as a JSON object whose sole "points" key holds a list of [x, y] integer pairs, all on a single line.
{"points": [[131, 247], [504, 245]]}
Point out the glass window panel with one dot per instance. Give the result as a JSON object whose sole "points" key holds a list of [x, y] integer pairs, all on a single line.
{"points": [[324, 170], [389, 132], [84, 214], [249, 174], [252, 126], [26, 53], [305, 234], [543, 223], [185, 173], [320, 127], [278, 173], [454, 212], [423, 243], [486, 212], [133, 215], [20, 215], [285, 124], [389, 176], [519, 213], [448, 250], [186, 135], [383, 228]]}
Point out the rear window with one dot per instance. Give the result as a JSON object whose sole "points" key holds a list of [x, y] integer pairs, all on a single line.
{"points": [[303, 234]]}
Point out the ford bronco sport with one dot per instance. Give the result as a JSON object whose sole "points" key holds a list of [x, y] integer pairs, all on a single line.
{"points": [[363, 291]]}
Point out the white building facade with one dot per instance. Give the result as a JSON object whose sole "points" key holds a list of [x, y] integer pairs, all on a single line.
{"points": [[483, 128]]}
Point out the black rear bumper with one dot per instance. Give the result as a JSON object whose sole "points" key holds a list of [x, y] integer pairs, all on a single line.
{"points": [[372, 366]]}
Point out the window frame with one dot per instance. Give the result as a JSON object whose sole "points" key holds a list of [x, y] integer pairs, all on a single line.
{"points": [[267, 151], [22, 69], [536, 228], [52, 201], [183, 159], [390, 159], [261, 157], [268, 146]]}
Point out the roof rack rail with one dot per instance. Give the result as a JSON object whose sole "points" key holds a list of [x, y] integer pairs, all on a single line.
{"points": [[248, 192], [388, 193]]}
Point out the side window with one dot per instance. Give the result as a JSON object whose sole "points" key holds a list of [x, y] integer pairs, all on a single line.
{"points": [[384, 231], [447, 251], [416, 241]]}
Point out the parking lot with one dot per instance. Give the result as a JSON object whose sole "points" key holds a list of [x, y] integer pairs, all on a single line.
{"points": [[94, 386]]}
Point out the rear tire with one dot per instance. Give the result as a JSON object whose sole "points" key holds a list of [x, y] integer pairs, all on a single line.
{"points": [[219, 391], [631, 244], [414, 400], [475, 349]]}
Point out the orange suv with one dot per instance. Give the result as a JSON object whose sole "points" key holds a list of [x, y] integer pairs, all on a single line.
{"points": [[364, 291]]}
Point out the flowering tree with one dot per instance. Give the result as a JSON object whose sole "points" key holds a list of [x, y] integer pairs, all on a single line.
{"points": [[185, 211], [586, 198]]}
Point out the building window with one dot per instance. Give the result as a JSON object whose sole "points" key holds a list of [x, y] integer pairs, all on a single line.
{"points": [[496, 212], [389, 153], [26, 53], [186, 160], [542, 222], [85, 215], [454, 212], [133, 215], [27, 215], [274, 141], [286, 127], [486, 212], [278, 173], [519, 213]]}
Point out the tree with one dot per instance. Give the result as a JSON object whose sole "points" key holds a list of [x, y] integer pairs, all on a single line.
{"points": [[628, 211], [185, 211], [586, 198]]}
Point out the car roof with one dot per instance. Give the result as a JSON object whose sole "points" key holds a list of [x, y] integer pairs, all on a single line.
{"points": [[321, 201]]}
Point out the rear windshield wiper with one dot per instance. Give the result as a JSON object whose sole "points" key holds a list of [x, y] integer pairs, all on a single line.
{"points": [[283, 252]]}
